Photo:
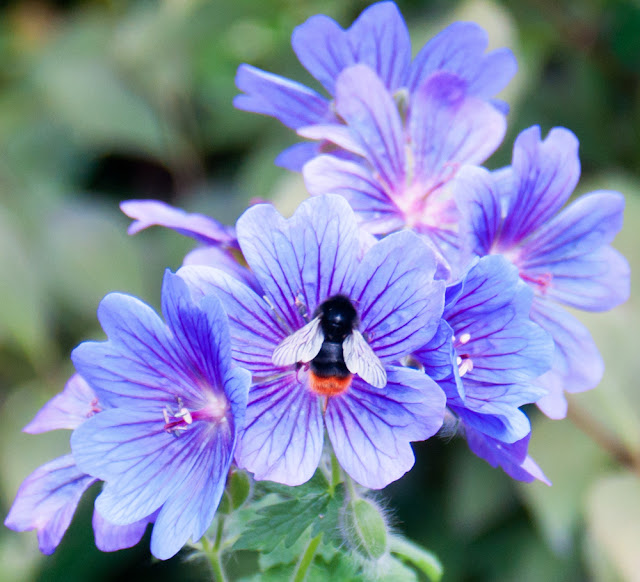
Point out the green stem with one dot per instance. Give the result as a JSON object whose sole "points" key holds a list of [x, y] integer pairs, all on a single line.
{"points": [[213, 553], [351, 488], [216, 565], [307, 558], [336, 475], [422, 559], [219, 530]]}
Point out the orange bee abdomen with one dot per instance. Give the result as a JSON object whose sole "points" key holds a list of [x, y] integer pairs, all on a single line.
{"points": [[329, 385]]}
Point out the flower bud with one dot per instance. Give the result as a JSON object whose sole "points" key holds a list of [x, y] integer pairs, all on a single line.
{"points": [[365, 529], [236, 493]]}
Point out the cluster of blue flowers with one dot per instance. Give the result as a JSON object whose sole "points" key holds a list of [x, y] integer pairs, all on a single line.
{"points": [[412, 289]]}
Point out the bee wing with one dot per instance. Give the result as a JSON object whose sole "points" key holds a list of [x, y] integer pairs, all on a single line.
{"points": [[301, 346], [361, 359]]}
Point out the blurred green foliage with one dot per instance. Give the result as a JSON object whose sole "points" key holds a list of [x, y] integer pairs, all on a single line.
{"points": [[107, 100]]}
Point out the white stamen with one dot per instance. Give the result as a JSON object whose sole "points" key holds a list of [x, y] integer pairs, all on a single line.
{"points": [[185, 415], [459, 360], [464, 338], [165, 414], [465, 367]]}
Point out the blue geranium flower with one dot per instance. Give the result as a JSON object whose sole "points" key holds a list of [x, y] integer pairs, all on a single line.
{"points": [[173, 406], [498, 351], [372, 407], [404, 160], [378, 39], [563, 255]]}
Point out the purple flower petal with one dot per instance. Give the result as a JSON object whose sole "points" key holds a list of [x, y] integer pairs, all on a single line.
{"points": [[379, 39], [546, 173], [225, 261], [596, 282], [497, 69], [447, 127], [188, 513], [69, 409], [255, 329], [111, 538], [459, 49], [479, 204], [492, 314], [571, 249], [399, 303], [142, 464], [438, 358], [302, 261], [493, 409], [47, 500], [200, 330], [354, 181], [373, 117], [512, 458], [323, 49], [371, 429], [198, 226], [139, 363], [293, 104], [296, 156], [337, 134], [577, 364], [283, 433]]}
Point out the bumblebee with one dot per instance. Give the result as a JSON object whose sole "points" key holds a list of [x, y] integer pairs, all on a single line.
{"points": [[333, 348]]}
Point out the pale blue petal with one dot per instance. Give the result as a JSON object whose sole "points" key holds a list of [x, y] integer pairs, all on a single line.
{"points": [[255, 329], [69, 409], [283, 434], [546, 173], [47, 500], [111, 538], [202, 228], [302, 261], [373, 117], [371, 429], [399, 303], [291, 103], [577, 365]]}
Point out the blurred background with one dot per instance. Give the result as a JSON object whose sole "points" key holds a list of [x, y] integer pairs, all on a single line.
{"points": [[108, 100]]}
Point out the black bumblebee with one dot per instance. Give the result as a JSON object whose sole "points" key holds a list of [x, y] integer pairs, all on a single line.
{"points": [[334, 348]]}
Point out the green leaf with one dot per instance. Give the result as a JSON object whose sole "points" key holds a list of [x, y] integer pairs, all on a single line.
{"points": [[316, 485], [312, 506], [283, 521]]}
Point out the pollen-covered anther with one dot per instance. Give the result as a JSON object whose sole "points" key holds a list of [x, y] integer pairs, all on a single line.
{"points": [[176, 421], [95, 408], [465, 364]]}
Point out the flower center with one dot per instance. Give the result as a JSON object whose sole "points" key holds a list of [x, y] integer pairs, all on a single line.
{"points": [[177, 421]]}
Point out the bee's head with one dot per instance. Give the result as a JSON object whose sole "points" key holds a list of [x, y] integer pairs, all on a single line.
{"points": [[338, 317]]}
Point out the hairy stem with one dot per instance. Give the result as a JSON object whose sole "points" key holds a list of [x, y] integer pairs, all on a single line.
{"points": [[424, 560], [214, 554], [336, 475]]}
